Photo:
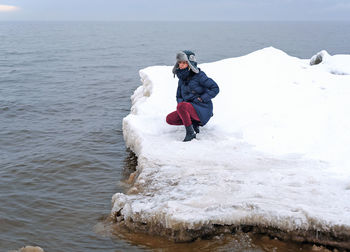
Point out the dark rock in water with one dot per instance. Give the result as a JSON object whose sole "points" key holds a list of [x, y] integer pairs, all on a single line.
{"points": [[29, 249]]}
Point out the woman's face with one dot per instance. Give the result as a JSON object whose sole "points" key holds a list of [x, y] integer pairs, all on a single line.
{"points": [[183, 64]]}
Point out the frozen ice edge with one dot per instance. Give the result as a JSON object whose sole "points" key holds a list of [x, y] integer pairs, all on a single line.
{"points": [[230, 184]]}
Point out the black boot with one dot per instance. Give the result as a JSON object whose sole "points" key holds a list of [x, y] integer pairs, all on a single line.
{"points": [[189, 133], [195, 126]]}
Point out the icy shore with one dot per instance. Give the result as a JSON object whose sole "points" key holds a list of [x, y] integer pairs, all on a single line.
{"points": [[275, 155]]}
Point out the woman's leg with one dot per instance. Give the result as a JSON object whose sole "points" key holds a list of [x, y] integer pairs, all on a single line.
{"points": [[187, 112], [174, 119]]}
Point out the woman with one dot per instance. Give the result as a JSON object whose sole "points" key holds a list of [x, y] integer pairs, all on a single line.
{"points": [[194, 93]]}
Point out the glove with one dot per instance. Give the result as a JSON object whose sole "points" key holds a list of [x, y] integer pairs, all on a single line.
{"points": [[197, 100]]}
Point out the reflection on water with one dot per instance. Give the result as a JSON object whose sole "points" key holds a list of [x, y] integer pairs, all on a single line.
{"points": [[130, 163]]}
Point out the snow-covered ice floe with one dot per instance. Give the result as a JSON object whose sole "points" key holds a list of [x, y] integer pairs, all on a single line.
{"points": [[275, 154]]}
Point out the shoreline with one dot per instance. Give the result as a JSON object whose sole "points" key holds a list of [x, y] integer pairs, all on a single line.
{"points": [[332, 239]]}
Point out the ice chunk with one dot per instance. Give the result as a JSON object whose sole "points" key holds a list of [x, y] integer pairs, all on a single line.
{"points": [[319, 57], [275, 153]]}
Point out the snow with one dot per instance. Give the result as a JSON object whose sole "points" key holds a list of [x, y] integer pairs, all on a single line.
{"points": [[275, 153], [337, 64]]}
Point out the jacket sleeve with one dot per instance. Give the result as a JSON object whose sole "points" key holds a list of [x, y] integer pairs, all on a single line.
{"points": [[178, 94], [211, 88]]}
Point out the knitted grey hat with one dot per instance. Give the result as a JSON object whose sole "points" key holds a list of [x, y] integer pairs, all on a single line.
{"points": [[188, 56]]}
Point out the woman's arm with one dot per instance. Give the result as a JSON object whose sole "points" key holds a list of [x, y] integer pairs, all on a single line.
{"points": [[178, 94], [211, 88]]}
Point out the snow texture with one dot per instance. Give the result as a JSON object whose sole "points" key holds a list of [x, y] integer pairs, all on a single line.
{"points": [[275, 153]]}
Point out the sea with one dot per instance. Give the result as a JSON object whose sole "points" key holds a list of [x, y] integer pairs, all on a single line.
{"points": [[65, 88]]}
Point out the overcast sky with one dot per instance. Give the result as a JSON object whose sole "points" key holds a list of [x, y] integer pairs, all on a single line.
{"points": [[179, 10]]}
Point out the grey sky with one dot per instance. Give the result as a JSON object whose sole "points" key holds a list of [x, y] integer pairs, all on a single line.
{"points": [[186, 10]]}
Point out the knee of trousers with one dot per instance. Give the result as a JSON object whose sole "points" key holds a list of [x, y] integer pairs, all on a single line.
{"points": [[182, 106], [168, 119]]}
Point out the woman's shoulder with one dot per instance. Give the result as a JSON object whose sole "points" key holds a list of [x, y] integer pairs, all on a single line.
{"points": [[200, 74]]}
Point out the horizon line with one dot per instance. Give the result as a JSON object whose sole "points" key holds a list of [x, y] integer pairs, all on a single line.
{"points": [[180, 21]]}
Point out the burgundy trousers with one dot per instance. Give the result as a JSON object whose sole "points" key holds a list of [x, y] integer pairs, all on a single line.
{"points": [[183, 115]]}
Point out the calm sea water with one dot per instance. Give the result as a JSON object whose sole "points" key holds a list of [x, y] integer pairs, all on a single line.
{"points": [[64, 89]]}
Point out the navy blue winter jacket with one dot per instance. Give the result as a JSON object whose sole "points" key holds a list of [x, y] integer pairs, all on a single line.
{"points": [[194, 86]]}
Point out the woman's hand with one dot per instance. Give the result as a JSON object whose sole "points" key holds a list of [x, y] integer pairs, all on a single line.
{"points": [[197, 100]]}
